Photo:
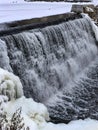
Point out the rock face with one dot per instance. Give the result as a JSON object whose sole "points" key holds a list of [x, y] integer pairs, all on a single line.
{"points": [[77, 8], [89, 9], [96, 12]]}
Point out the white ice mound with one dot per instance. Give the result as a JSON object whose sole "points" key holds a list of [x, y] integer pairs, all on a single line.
{"points": [[34, 114], [37, 112], [10, 85]]}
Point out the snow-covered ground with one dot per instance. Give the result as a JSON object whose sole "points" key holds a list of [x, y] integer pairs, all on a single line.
{"points": [[18, 11], [11, 10], [11, 1]]}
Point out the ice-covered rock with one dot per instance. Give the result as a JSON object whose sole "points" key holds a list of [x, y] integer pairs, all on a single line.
{"points": [[34, 114], [10, 85]]}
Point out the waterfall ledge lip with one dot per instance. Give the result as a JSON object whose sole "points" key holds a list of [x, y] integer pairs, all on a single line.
{"points": [[27, 24]]}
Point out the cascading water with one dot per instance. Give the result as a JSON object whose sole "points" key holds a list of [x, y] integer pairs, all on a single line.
{"points": [[55, 65]]}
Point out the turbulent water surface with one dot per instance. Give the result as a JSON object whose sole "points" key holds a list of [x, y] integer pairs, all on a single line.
{"points": [[57, 66]]}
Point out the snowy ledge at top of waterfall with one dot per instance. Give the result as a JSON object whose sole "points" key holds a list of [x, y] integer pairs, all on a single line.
{"points": [[13, 10]]}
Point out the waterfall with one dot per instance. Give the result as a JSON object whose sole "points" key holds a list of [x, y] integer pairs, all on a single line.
{"points": [[54, 64]]}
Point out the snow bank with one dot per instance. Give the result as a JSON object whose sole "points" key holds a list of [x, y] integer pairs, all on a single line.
{"points": [[95, 2], [26, 10], [13, 10], [35, 111], [11, 1], [87, 124], [35, 114], [10, 85]]}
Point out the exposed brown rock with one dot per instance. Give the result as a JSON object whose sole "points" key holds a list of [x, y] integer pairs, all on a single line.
{"points": [[89, 9], [96, 11], [77, 8]]}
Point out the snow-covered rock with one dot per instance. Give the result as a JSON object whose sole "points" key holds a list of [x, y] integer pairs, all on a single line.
{"points": [[10, 85]]}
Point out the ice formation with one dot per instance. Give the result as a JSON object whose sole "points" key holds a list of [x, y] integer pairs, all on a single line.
{"points": [[10, 85], [35, 111], [4, 59], [34, 114]]}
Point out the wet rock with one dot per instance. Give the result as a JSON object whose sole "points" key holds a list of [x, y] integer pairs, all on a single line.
{"points": [[89, 9]]}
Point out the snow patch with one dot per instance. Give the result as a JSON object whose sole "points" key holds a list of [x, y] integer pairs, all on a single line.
{"points": [[87, 124], [12, 1]]}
